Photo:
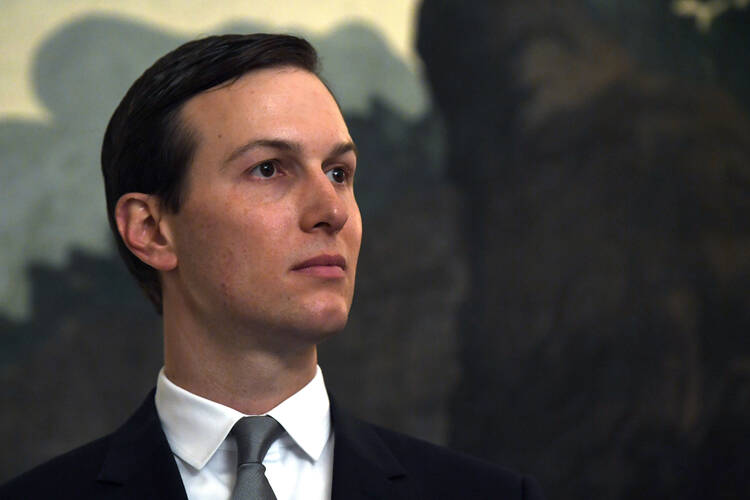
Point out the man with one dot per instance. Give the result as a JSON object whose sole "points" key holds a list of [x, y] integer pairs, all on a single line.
{"points": [[229, 174]]}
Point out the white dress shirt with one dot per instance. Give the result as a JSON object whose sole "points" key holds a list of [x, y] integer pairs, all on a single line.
{"points": [[299, 464]]}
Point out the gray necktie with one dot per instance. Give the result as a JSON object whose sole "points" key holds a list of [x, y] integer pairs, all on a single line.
{"points": [[254, 436]]}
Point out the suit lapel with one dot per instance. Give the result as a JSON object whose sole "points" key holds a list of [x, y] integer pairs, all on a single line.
{"points": [[140, 464], [139, 460], [363, 465]]}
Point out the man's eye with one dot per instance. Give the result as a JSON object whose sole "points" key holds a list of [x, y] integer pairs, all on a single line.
{"points": [[266, 170], [337, 175]]}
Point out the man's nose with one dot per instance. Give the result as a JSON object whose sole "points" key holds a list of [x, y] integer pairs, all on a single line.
{"points": [[323, 207]]}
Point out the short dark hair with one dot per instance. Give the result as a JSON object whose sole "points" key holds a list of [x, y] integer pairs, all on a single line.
{"points": [[147, 147]]}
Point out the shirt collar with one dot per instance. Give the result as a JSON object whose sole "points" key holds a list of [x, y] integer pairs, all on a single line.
{"points": [[195, 427]]}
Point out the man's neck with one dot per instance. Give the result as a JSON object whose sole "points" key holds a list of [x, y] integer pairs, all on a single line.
{"points": [[249, 379]]}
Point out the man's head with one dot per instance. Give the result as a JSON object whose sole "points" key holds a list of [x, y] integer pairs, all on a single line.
{"points": [[227, 167]]}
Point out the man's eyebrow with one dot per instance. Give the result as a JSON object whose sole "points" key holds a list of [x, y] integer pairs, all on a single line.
{"points": [[264, 143], [343, 148], [291, 146]]}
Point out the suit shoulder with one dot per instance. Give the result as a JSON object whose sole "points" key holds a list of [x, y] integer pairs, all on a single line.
{"points": [[67, 474], [443, 470]]}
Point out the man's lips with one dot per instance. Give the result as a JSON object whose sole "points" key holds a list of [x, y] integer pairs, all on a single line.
{"points": [[323, 266]]}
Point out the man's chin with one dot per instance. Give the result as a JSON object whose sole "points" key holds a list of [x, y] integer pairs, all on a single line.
{"points": [[324, 326], [326, 311], [319, 323], [308, 322]]}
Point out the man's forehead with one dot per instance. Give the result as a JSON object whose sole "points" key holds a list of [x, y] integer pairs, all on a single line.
{"points": [[284, 104], [263, 91], [263, 84]]}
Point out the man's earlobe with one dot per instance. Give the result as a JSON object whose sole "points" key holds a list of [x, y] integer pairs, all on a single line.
{"points": [[139, 218]]}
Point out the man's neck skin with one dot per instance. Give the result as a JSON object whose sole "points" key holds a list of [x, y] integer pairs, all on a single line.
{"points": [[229, 368]]}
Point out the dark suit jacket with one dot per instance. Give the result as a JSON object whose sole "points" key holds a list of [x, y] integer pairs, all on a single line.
{"points": [[135, 462]]}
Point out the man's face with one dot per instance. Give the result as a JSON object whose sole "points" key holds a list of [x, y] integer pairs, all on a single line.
{"points": [[270, 188]]}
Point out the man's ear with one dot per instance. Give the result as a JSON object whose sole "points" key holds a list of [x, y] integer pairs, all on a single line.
{"points": [[139, 221]]}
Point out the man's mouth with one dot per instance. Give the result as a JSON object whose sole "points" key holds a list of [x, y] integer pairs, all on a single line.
{"points": [[323, 266]]}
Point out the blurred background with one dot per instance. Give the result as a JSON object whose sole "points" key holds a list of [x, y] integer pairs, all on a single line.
{"points": [[555, 271]]}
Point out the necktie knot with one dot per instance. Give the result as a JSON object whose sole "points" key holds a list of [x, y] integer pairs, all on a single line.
{"points": [[254, 436]]}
